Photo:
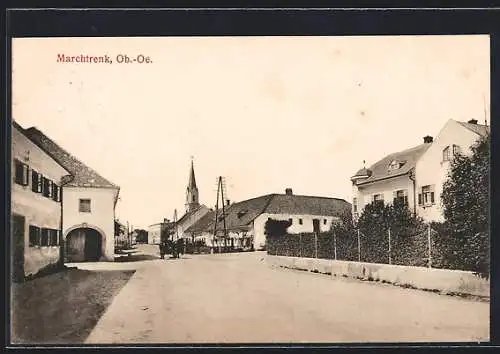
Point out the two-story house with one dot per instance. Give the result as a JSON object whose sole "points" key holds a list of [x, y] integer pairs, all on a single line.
{"points": [[35, 206], [416, 175], [89, 201]]}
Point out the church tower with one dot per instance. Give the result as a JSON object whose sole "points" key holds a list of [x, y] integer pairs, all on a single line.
{"points": [[192, 197]]}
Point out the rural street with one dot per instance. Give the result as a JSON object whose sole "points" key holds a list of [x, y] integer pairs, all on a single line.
{"points": [[238, 298]]}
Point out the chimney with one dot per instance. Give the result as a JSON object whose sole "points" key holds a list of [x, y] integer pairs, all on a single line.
{"points": [[428, 139], [472, 121], [288, 191]]}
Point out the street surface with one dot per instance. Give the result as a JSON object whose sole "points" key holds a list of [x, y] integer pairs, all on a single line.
{"points": [[238, 298]]}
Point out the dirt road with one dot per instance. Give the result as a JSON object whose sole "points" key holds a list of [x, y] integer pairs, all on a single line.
{"points": [[237, 298]]}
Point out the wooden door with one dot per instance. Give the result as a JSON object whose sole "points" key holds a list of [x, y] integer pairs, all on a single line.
{"points": [[316, 226], [18, 235]]}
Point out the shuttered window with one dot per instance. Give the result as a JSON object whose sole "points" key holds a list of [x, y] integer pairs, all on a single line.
{"points": [[45, 237], [56, 192], [21, 173], [401, 194], [34, 236], [427, 195]]}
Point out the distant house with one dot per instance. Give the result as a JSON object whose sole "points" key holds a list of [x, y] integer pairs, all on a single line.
{"points": [[416, 175], [89, 202], [155, 231], [245, 220], [35, 205], [121, 234]]}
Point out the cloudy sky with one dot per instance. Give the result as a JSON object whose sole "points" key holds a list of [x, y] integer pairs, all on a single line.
{"points": [[265, 112]]}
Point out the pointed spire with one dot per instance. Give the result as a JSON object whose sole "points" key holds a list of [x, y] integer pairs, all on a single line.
{"points": [[192, 179]]}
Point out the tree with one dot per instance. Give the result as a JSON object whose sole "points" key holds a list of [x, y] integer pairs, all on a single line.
{"points": [[465, 199], [276, 227]]}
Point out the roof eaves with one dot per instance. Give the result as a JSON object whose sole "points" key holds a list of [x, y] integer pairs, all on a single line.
{"points": [[384, 178]]}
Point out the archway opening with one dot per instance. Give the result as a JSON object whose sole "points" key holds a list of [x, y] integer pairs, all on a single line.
{"points": [[84, 245]]}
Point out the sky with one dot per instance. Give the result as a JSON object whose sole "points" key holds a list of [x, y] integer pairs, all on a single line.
{"points": [[267, 113]]}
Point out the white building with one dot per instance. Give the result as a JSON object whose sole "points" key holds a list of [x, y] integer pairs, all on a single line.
{"points": [[416, 175], [35, 206], [89, 202], [245, 220]]}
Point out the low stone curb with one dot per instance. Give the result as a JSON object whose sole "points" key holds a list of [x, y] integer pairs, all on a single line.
{"points": [[451, 282]]}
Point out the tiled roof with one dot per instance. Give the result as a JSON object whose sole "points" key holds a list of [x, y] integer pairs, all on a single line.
{"points": [[479, 129], [363, 172], [83, 175], [380, 169], [307, 205], [239, 216], [203, 223], [189, 213]]}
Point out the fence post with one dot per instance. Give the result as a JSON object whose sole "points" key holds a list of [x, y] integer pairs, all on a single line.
{"points": [[316, 244], [429, 245], [300, 245], [335, 245], [359, 248], [389, 231]]}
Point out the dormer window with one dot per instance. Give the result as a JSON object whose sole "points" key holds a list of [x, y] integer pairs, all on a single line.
{"points": [[394, 165]]}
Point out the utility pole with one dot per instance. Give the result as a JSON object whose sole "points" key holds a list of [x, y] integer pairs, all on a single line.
{"points": [[484, 107], [220, 191]]}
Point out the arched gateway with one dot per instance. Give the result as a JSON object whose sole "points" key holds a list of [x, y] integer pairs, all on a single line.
{"points": [[84, 243]]}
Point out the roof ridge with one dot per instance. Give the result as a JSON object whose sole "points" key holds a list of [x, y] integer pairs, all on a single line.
{"points": [[311, 196]]}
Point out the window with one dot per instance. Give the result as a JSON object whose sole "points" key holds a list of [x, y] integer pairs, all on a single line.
{"points": [[456, 150], [378, 198], [355, 205], [84, 206], [394, 165], [21, 173], [446, 154], [47, 189], [300, 221], [45, 237], [401, 194], [34, 181], [324, 222], [34, 235], [426, 197], [53, 237], [56, 195], [290, 221]]}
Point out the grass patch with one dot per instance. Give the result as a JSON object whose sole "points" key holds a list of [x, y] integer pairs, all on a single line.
{"points": [[64, 307]]}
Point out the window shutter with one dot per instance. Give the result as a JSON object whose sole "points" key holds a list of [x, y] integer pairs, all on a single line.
{"points": [[394, 197], [432, 197], [34, 181], [419, 198], [18, 176], [26, 175]]}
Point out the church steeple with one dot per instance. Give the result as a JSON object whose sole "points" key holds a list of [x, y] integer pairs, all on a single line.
{"points": [[192, 197]]}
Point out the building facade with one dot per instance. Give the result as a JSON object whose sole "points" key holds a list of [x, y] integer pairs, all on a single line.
{"points": [[155, 231], [245, 221], [89, 202], [35, 206], [416, 175]]}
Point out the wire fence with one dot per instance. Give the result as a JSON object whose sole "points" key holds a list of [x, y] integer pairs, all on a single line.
{"points": [[422, 247]]}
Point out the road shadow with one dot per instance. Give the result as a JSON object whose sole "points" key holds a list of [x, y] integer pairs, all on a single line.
{"points": [[64, 307], [136, 258]]}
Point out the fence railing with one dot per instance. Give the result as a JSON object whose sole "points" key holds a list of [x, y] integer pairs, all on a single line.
{"points": [[410, 247]]}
